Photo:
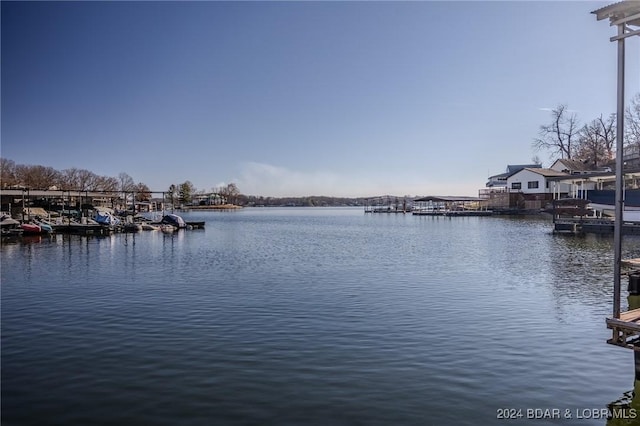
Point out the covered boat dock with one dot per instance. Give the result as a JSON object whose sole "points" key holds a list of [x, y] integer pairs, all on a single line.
{"points": [[450, 206]]}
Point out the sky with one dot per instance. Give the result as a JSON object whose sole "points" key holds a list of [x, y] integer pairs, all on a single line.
{"points": [[300, 98]]}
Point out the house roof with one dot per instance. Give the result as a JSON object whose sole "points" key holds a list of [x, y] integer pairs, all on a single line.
{"points": [[545, 172], [500, 176], [575, 165], [513, 168], [597, 176]]}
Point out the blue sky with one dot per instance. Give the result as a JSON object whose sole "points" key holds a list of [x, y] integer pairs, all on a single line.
{"points": [[300, 98]]}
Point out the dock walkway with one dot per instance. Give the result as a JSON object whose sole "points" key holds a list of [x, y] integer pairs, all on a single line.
{"points": [[455, 213], [592, 226], [626, 329]]}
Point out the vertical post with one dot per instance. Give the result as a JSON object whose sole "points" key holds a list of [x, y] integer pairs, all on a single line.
{"points": [[23, 195], [617, 240]]}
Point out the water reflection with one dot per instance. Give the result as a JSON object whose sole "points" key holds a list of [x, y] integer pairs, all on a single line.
{"points": [[297, 310], [626, 409]]}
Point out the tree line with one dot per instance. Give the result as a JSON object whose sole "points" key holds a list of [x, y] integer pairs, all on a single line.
{"points": [[14, 175], [593, 142], [186, 192]]}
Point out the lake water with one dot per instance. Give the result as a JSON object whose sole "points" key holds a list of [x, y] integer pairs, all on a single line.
{"points": [[311, 316]]}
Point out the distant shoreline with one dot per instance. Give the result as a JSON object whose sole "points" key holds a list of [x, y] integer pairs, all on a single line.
{"points": [[214, 207]]}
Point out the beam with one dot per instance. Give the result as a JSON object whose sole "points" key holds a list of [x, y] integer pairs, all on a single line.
{"points": [[617, 230]]}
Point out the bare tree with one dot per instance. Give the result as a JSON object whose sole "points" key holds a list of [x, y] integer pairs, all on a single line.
{"points": [[596, 140], [143, 193], [231, 192], [170, 195], [87, 180], [632, 122], [7, 173], [608, 133], [36, 177], [106, 183], [69, 178], [79, 179], [589, 148], [559, 135], [125, 182]]}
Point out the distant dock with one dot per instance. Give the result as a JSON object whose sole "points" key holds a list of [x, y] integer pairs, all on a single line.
{"points": [[450, 206], [388, 204], [456, 213]]}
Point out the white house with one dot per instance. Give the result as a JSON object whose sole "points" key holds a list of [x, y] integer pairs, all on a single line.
{"points": [[536, 181], [500, 180]]}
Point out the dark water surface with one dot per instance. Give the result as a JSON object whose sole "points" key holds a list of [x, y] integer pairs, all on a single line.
{"points": [[310, 316]]}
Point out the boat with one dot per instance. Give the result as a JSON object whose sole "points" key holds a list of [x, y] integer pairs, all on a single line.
{"points": [[30, 229], [9, 226], [175, 220], [105, 217], [132, 227], [166, 228], [569, 207], [149, 227], [45, 228], [603, 203]]}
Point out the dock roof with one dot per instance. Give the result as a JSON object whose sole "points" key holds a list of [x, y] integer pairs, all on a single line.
{"points": [[447, 198]]}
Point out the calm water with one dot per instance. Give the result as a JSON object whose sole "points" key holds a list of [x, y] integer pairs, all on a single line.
{"points": [[310, 316]]}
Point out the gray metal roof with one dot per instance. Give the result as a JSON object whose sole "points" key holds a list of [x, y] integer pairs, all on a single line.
{"points": [[547, 172], [512, 168], [575, 165], [622, 12], [447, 198], [602, 176]]}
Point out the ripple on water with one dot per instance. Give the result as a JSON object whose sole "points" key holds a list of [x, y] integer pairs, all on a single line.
{"points": [[308, 316]]}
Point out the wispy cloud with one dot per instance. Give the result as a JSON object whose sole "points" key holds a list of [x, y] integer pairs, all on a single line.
{"points": [[551, 109], [269, 180]]}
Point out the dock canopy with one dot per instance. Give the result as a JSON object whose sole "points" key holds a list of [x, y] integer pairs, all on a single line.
{"points": [[446, 199]]}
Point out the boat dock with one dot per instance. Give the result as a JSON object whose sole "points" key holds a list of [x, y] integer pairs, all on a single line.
{"points": [[451, 206], [387, 204], [589, 225], [455, 213], [626, 329], [83, 212]]}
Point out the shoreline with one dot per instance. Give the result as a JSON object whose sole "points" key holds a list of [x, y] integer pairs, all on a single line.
{"points": [[215, 207]]}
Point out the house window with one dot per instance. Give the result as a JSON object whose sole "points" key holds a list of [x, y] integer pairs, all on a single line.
{"points": [[532, 184], [516, 185]]}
